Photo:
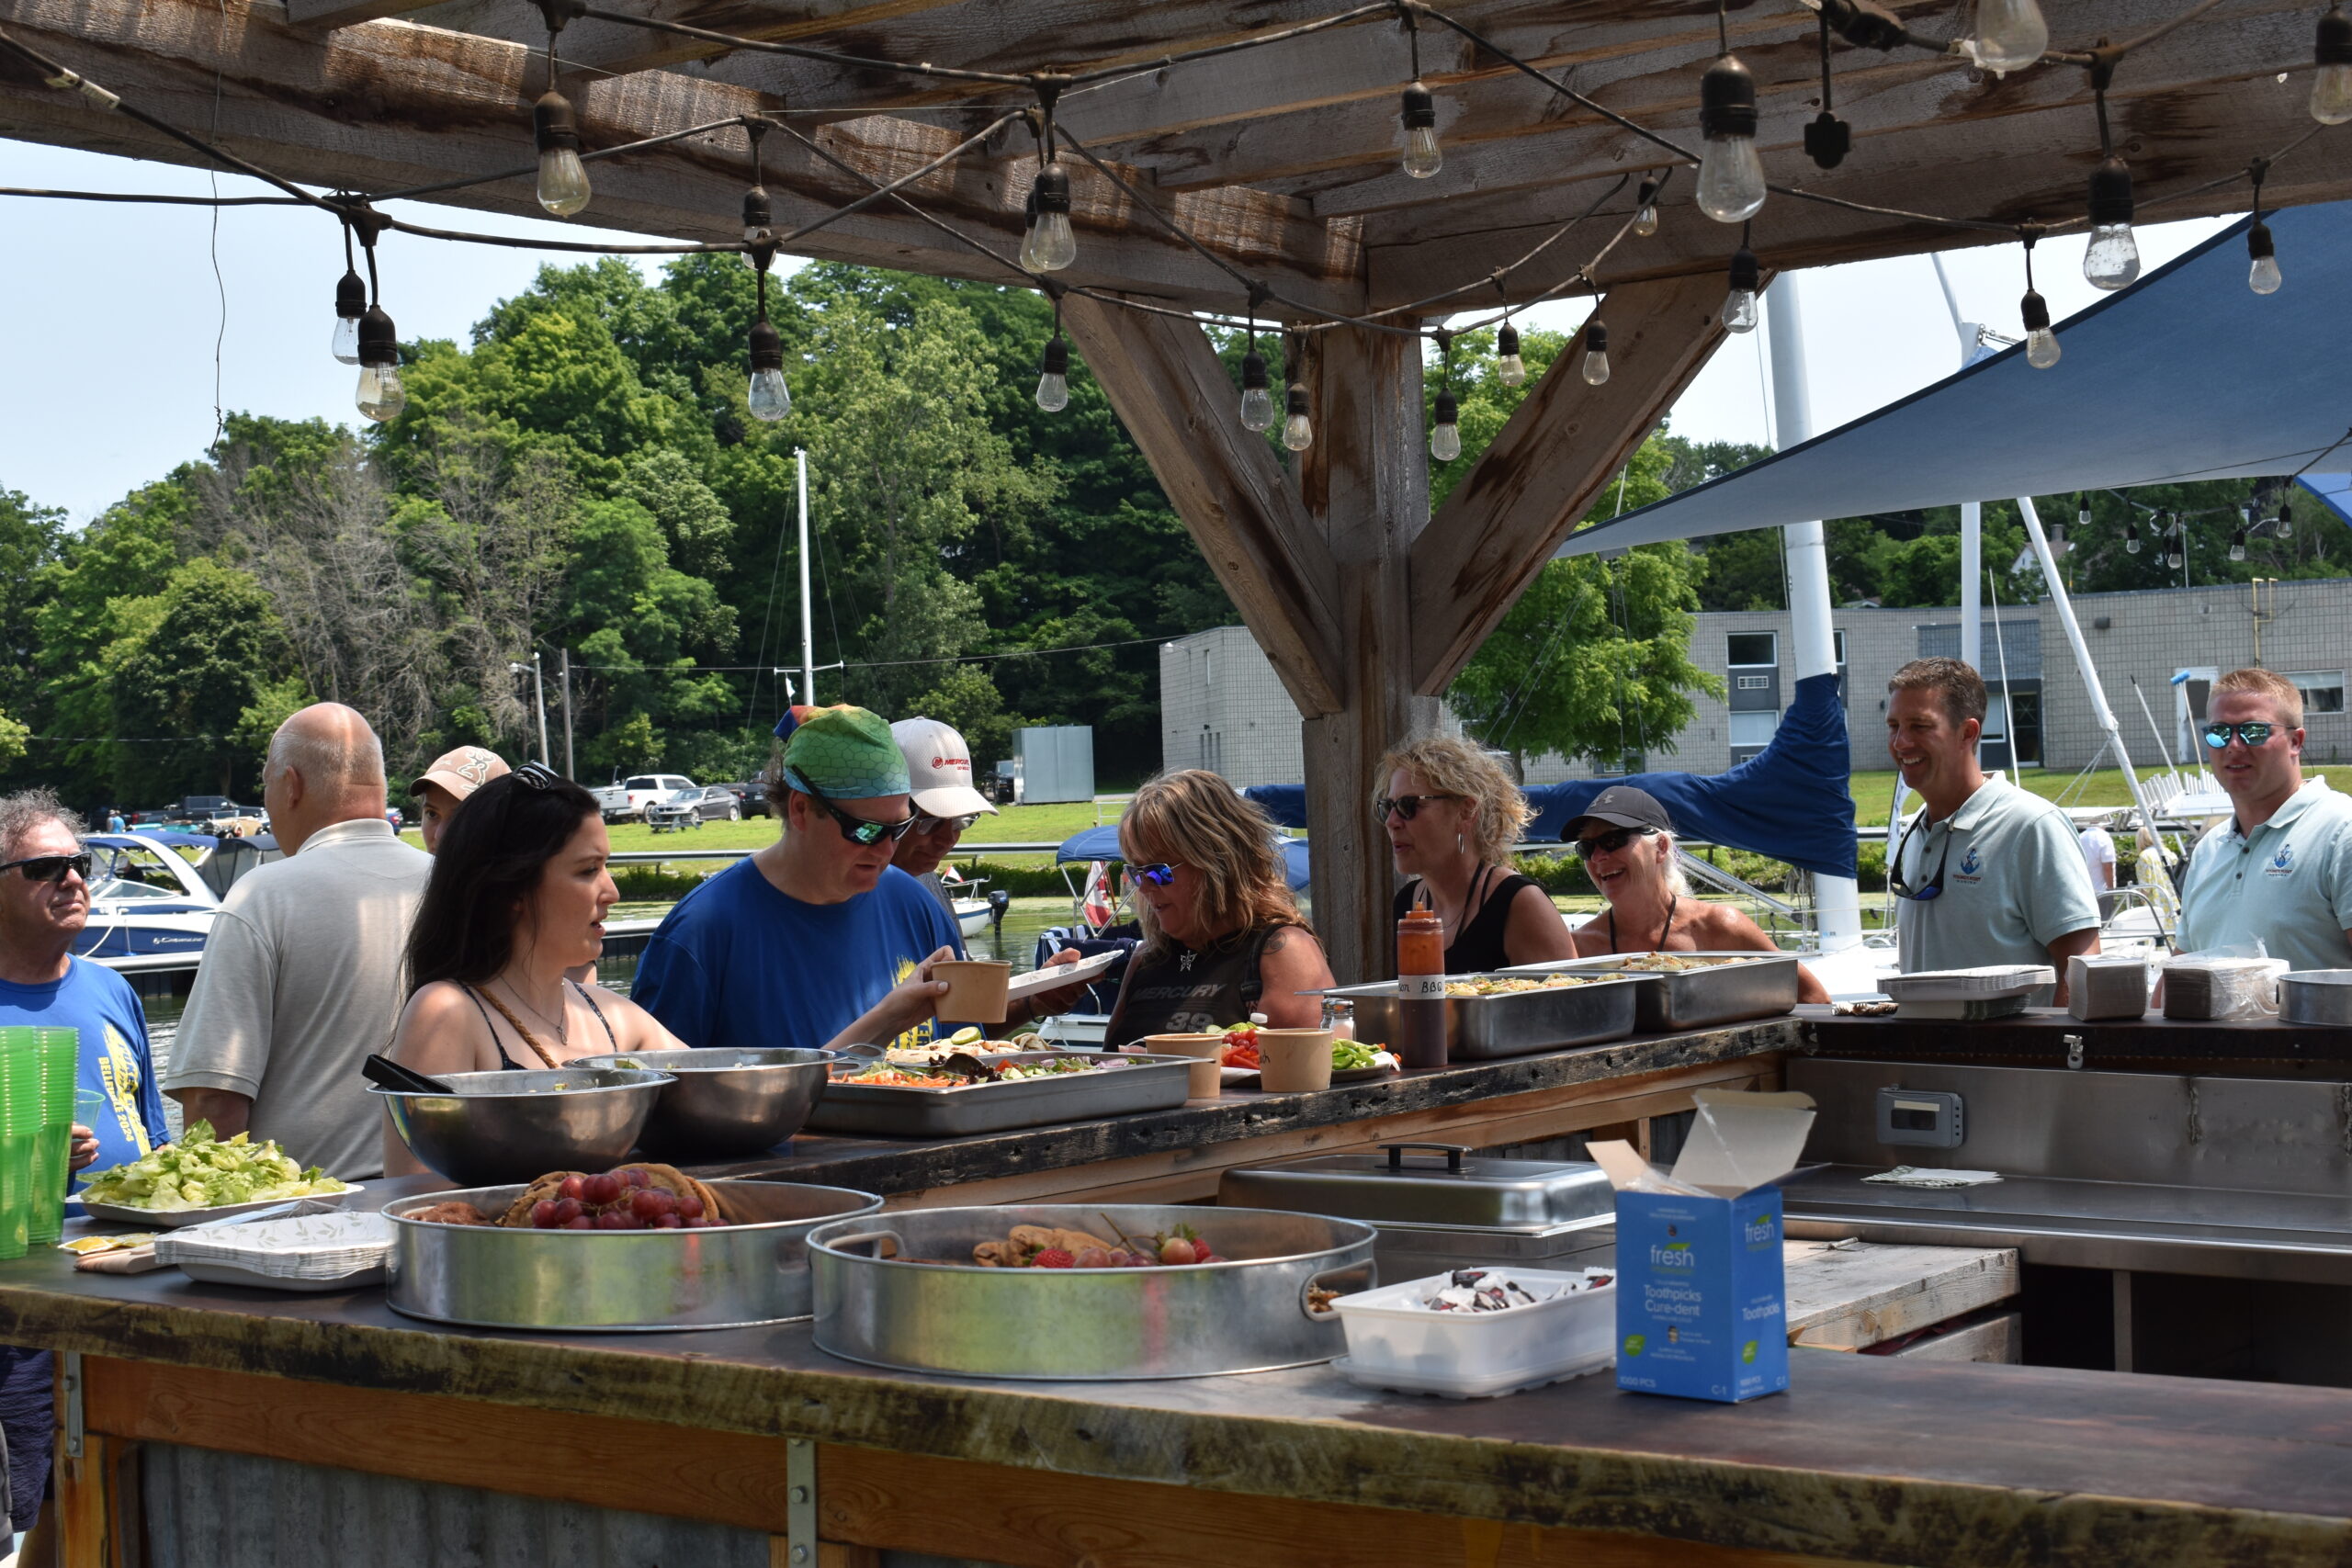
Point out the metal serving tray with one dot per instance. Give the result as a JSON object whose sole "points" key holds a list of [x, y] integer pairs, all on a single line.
{"points": [[2316, 997], [1734, 987], [1480, 1028], [1146, 1083]]}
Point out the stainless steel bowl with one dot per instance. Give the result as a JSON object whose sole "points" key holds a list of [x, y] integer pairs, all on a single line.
{"points": [[517, 1126], [1078, 1325], [753, 1270], [725, 1104], [2316, 997]]}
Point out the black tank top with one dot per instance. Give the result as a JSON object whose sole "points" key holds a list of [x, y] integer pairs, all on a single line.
{"points": [[1180, 991], [507, 1063], [1478, 945]]}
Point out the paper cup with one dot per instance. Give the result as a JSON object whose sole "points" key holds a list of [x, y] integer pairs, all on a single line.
{"points": [[1208, 1051], [1293, 1061], [975, 990]]}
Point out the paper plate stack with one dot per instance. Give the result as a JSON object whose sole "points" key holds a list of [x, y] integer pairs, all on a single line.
{"points": [[301, 1252]]}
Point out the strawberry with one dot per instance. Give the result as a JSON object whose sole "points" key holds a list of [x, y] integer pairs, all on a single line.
{"points": [[1053, 1257]]}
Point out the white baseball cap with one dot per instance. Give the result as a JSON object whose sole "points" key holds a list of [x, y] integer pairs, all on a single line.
{"points": [[940, 765]]}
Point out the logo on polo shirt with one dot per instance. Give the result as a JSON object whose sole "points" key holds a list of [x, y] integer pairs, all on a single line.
{"points": [[2283, 864], [1971, 867]]}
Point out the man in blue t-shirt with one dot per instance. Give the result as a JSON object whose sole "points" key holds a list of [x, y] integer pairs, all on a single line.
{"points": [[44, 904], [817, 940]]}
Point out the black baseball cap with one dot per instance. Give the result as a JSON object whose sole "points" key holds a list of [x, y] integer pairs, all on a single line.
{"points": [[1623, 805]]}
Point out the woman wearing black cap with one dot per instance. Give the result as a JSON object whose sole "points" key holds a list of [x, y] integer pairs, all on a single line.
{"points": [[1626, 842]]}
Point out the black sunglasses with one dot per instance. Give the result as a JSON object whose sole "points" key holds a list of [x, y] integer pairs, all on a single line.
{"points": [[1610, 843], [537, 777], [2255, 734], [859, 830], [924, 824], [1931, 889], [1406, 806], [51, 868]]}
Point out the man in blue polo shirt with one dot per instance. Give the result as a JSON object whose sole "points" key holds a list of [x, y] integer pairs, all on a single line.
{"points": [[2280, 873], [817, 940]]}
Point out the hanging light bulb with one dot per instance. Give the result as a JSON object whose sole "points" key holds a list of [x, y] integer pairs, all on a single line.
{"points": [[2263, 275], [2332, 82], [1645, 212], [563, 178], [2042, 349], [350, 304], [1051, 244], [2112, 260], [2237, 544], [1053, 376], [1445, 435], [2131, 536], [1510, 368], [759, 223], [1422, 155], [2286, 520], [2172, 558], [1299, 431], [2082, 511], [1739, 306], [1596, 354], [2011, 35], [1257, 402], [770, 399], [381, 397], [1731, 175]]}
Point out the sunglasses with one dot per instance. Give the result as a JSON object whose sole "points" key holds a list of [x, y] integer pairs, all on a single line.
{"points": [[2255, 734], [1931, 889], [925, 825], [860, 829], [1406, 806], [51, 868], [537, 777], [1160, 873], [1610, 843]]}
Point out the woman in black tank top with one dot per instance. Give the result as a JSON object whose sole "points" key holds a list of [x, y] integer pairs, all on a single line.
{"points": [[1451, 816]]}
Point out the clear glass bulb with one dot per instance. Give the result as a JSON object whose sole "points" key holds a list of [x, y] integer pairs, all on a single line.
{"points": [[1257, 409], [1053, 392], [2172, 558], [1422, 155], [2237, 547], [2131, 544], [2332, 95], [381, 396], [2042, 349], [2286, 524], [1511, 370], [1298, 433], [2011, 35], [1645, 221], [2112, 260], [2263, 276], [563, 181], [1596, 368], [1445, 442], [1731, 178], [1051, 246], [346, 338], [1739, 310], [771, 399]]}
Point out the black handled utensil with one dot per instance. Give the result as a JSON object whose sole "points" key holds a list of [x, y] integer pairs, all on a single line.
{"points": [[388, 1074]]}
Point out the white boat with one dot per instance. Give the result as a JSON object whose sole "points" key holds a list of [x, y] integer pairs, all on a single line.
{"points": [[973, 910], [152, 904]]}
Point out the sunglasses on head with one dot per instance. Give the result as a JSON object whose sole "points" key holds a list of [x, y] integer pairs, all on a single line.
{"points": [[1610, 843], [536, 777], [860, 829], [1160, 873], [2255, 734], [51, 868], [1406, 806]]}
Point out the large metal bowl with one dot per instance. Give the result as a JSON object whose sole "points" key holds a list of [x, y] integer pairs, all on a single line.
{"points": [[725, 1104], [517, 1126], [1075, 1324], [2316, 997]]}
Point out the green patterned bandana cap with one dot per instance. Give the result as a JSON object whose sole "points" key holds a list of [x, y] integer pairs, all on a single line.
{"points": [[845, 753]]}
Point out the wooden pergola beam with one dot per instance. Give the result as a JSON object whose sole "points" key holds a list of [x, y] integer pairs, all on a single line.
{"points": [[1563, 444]]}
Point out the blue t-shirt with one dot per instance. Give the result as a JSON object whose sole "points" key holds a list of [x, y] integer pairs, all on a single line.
{"points": [[114, 1060], [738, 965]]}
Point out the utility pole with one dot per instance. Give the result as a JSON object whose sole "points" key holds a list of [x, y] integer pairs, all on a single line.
{"points": [[567, 715], [540, 694], [808, 623]]}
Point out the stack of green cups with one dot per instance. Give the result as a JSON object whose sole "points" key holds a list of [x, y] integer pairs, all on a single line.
{"points": [[60, 1051], [20, 1117]]}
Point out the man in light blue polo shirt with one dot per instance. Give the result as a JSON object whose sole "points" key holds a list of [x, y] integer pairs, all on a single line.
{"points": [[2281, 872], [1987, 873]]}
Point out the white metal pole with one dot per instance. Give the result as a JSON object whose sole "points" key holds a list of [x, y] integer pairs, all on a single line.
{"points": [[1838, 909], [539, 691], [808, 623], [1971, 513]]}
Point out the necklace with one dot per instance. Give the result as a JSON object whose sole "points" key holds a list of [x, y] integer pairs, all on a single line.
{"points": [[561, 1035], [1672, 899]]}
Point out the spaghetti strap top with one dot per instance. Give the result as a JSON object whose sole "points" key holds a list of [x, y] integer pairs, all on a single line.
{"points": [[507, 1063]]}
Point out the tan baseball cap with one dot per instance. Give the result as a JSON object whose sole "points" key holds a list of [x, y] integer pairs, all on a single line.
{"points": [[461, 771], [939, 766]]}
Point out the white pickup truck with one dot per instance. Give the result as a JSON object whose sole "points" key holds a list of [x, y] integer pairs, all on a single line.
{"points": [[627, 800]]}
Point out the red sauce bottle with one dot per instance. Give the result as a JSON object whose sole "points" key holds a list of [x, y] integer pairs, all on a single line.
{"points": [[1420, 989]]}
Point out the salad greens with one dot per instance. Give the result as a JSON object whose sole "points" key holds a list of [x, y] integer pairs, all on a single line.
{"points": [[1347, 1056], [201, 1172]]}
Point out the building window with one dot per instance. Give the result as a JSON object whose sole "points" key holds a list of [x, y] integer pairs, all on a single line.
{"points": [[2323, 690], [1753, 730], [1753, 683], [1753, 648]]}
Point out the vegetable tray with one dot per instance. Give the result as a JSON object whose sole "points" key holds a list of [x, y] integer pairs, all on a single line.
{"points": [[889, 1110]]}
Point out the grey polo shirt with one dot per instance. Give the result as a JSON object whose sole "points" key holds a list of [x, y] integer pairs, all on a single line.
{"points": [[300, 979], [2288, 884], [2013, 882]]}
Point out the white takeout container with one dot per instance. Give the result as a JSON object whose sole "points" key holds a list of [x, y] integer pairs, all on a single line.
{"points": [[1394, 1342]]}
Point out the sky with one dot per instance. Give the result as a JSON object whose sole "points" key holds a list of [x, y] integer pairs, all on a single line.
{"points": [[119, 314]]}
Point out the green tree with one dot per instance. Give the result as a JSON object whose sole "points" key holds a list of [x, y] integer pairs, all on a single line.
{"points": [[192, 663]]}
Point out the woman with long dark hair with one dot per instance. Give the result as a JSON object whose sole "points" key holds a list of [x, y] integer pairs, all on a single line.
{"points": [[518, 895]]}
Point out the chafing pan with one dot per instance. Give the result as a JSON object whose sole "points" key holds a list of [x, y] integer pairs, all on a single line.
{"points": [[1733, 987], [1479, 1027], [1142, 1083]]}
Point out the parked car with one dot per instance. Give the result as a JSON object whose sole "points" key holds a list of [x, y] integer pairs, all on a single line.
{"points": [[692, 808], [752, 798], [623, 800]]}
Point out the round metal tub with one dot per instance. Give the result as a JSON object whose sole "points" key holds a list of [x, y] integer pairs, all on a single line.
{"points": [[516, 1126], [725, 1104], [754, 1270], [2316, 997], [1068, 1325]]}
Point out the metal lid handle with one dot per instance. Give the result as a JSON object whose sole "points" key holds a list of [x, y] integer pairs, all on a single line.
{"points": [[1453, 1153]]}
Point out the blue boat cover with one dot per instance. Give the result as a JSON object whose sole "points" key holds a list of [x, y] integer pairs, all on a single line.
{"points": [[1102, 843], [2334, 492]]}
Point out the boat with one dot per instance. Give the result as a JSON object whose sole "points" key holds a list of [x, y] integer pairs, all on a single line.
{"points": [[153, 895], [973, 908]]}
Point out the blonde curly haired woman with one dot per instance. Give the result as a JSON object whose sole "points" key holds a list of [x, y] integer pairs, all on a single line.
{"points": [[1221, 937], [1451, 815]]}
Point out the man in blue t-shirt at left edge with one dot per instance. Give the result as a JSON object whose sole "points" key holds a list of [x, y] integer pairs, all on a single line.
{"points": [[817, 940], [44, 904]]}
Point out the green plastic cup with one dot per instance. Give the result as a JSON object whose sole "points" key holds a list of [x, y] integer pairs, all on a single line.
{"points": [[21, 1115], [53, 1154]]}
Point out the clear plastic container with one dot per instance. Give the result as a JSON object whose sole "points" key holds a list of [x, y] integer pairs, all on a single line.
{"points": [[1394, 1342]]}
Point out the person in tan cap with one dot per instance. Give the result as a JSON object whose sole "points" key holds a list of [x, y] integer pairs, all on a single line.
{"points": [[442, 787]]}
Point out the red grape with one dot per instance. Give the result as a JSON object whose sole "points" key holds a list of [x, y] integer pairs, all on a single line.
{"points": [[566, 1209], [572, 1186], [616, 1220], [668, 1222], [651, 1204], [543, 1216], [636, 1177], [697, 1224], [600, 1189], [690, 1207], [579, 1223]]}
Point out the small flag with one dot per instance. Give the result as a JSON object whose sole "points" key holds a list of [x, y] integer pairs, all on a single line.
{"points": [[1095, 907]]}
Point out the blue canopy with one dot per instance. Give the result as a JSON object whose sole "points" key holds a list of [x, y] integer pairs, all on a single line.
{"points": [[1102, 843], [2334, 492], [2187, 374]]}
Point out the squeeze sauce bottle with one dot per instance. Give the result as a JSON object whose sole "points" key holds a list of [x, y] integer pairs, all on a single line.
{"points": [[1420, 989]]}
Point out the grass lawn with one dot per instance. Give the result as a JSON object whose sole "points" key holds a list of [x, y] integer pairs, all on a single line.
{"points": [[1012, 824], [1873, 792]]}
